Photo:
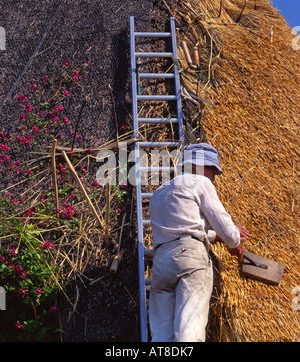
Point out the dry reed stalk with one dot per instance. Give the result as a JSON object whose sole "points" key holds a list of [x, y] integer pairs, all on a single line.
{"points": [[54, 174], [82, 189], [107, 213]]}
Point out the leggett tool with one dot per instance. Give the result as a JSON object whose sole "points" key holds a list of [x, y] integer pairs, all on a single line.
{"points": [[263, 269]]}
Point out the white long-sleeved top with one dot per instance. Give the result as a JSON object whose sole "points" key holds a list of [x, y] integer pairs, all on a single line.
{"points": [[189, 205]]}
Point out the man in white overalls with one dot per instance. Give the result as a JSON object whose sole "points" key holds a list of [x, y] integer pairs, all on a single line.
{"points": [[186, 214]]}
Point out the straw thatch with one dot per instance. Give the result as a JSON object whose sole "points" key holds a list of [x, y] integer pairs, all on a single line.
{"points": [[250, 71]]}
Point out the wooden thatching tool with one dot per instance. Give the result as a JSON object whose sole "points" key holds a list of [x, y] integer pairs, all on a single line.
{"points": [[117, 257], [196, 61], [187, 54], [263, 269]]}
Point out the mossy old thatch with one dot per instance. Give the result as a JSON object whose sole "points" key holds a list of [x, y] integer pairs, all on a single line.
{"points": [[250, 71]]}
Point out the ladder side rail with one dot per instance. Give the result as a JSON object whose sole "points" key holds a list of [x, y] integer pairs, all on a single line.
{"points": [[141, 267], [177, 82]]}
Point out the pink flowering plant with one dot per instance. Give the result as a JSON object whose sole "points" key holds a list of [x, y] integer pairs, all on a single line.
{"points": [[29, 279], [40, 240], [29, 254]]}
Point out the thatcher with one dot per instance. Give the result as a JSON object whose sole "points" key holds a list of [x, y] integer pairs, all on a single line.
{"points": [[249, 70]]}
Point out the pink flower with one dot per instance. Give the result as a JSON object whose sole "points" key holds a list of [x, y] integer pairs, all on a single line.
{"points": [[87, 64], [57, 211], [44, 78], [66, 121], [21, 98], [2, 258], [95, 183], [35, 129], [59, 135], [7, 158], [42, 196], [54, 309], [119, 210], [22, 116], [19, 325], [83, 170], [55, 119], [23, 291], [76, 75], [66, 63], [29, 172], [4, 147], [29, 212], [38, 291], [79, 137], [47, 245], [28, 108], [19, 268], [22, 201], [34, 86], [122, 128], [66, 93]]}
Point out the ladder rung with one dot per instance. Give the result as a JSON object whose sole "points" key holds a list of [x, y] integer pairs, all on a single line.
{"points": [[153, 55], [146, 222], [157, 98], [145, 195], [152, 35], [157, 120], [157, 75], [157, 169], [158, 144]]}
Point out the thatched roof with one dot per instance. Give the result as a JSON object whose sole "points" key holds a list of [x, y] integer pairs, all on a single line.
{"points": [[249, 69]]}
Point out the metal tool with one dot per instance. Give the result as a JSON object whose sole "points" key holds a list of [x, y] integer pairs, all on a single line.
{"points": [[259, 265]]}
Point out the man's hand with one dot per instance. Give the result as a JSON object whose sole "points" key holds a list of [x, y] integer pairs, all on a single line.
{"points": [[244, 233], [238, 251]]}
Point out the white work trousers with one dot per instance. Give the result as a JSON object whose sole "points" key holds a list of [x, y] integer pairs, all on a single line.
{"points": [[181, 287]]}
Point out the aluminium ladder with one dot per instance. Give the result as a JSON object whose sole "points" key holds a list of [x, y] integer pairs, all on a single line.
{"points": [[137, 97]]}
